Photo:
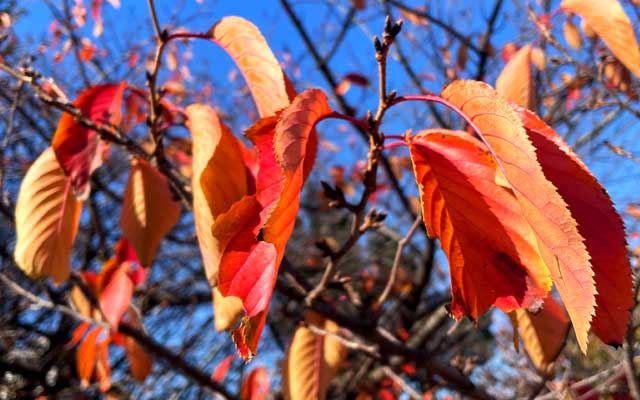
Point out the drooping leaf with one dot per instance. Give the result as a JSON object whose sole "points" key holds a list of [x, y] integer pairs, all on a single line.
{"points": [[515, 82], [86, 356], [559, 241], [598, 223], [543, 333], [79, 149], [227, 311], [492, 250], [286, 152], [149, 210], [609, 20], [312, 361], [115, 295], [256, 385], [261, 70], [220, 178], [47, 217], [222, 369], [572, 35], [140, 362], [103, 369]]}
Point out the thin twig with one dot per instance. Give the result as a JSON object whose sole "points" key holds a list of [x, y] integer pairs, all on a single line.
{"points": [[396, 261]]}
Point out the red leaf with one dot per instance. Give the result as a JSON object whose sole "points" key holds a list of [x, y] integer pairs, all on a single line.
{"points": [[78, 334], [486, 239], [598, 223], [116, 294], [558, 239], [256, 385], [222, 369], [79, 149]]}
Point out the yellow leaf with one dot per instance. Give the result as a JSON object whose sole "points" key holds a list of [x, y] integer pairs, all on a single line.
{"points": [[149, 210], [609, 20], [543, 333], [47, 217], [312, 361], [226, 311]]}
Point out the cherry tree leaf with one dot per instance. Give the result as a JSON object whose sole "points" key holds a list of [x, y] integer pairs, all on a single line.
{"points": [[559, 241], [492, 250], [222, 369], [260, 68], [47, 217], [140, 362], [598, 223], [87, 355], [227, 311], [220, 178], [312, 361], [79, 149], [515, 82], [543, 333], [256, 385], [115, 294], [149, 210], [609, 20]]}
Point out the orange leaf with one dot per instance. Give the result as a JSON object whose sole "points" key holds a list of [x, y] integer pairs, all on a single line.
{"points": [[312, 361], [559, 241], [609, 20], [220, 178], [492, 251], [103, 369], [516, 81], [149, 210], [256, 385], [86, 356], [116, 294], [598, 223], [260, 68], [572, 35], [47, 218], [140, 363], [543, 333], [79, 149]]}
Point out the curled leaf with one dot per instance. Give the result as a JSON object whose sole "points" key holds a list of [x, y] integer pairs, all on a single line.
{"points": [[47, 217], [515, 82]]}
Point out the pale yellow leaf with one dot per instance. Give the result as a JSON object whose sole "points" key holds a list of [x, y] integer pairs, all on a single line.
{"points": [[47, 217], [227, 311], [515, 82], [609, 20]]}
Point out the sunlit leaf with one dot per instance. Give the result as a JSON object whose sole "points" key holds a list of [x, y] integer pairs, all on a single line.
{"points": [[492, 251], [312, 361], [47, 217], [609, 20], [79, 149], [559, 241], [515, 82], [598, 223]]}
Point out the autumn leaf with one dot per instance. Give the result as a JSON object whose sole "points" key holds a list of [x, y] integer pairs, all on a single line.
{"points": [[47, 217], [515, 82], [598, 222], [261, 70], [349, 79], [115, 294], [220, 178], [79, 149], [492, 251], [227, 311], [140, 362], [572, 35], [609, 20], [543, 333], [256, 385], [222, 369], [559, 241], [312, 360], [149, 210], [86, 356]]}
